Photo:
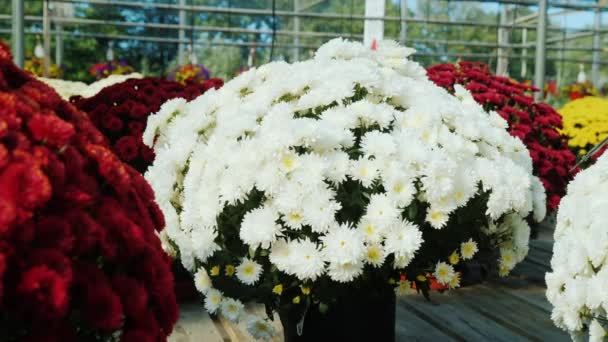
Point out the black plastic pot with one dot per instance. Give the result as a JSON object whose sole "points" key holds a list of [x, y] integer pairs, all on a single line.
{"points": [[357, 316]]}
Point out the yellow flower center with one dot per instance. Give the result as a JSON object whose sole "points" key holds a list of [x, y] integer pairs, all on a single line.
{"points": [[398, 188], [261, 326], [436, 215], [373, 254], [288, 162], [248, 269]]}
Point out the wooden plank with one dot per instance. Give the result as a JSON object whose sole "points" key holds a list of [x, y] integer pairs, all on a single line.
{"points": [[525, 319], [195, 325], [532, 294], [530, 297], [530, 271], [448, 314], [409, 327]]}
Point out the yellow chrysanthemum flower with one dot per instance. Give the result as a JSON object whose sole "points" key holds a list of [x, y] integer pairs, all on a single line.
{"points": [[585, 121]]}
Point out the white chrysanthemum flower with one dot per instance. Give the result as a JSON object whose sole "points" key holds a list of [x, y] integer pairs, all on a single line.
{"points": [[403, 239], [202, 282], [508, 258], [294, 219], [160, 120], [468, 249], [437, 218], [343, 244], [280, 255], [375, 255], [377, 144], [289, 161], [345, 272], [371, 232], [232, 309], [203, 243], [248, 272], [259, 227], [213, 299], [319, 211], [403, 288], [259, 328], [444, 272], [381, 210], [338, 166], [454, 282], [364, 170], [306, 260]]}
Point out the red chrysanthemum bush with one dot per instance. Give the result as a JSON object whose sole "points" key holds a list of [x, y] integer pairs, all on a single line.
{"points": [[121, 111], [79, 256], [536, 124]]}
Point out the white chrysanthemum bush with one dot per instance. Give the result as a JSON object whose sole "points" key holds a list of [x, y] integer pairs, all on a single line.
{"points": [[577, 287], [295, 181]]}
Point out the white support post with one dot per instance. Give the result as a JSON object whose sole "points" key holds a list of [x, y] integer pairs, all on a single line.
{"points": [[373, 29]]}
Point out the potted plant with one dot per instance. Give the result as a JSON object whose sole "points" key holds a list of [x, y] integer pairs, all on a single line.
{"points": [[576, 286], [79, 256], [325, 187]]}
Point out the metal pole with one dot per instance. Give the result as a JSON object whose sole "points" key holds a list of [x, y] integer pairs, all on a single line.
{"points": [[403, 32], [524, 53], [296, 31], [595, 66], [18, 34], [59, 44], [46, 37], [503, 39], [182, 34], [541, 40]]}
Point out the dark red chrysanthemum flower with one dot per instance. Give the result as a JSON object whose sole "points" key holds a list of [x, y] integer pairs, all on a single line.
{"points": [[121, 112], [77, 225], [536, 124]]}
